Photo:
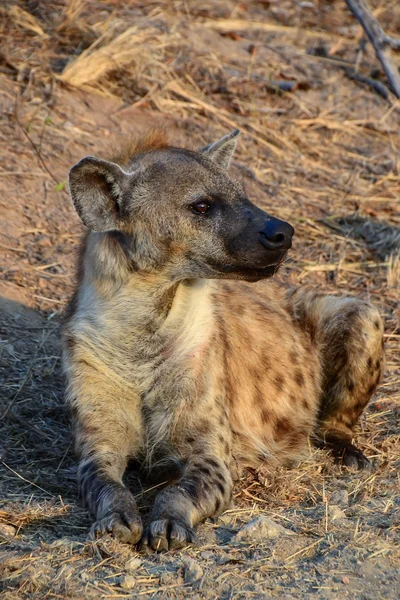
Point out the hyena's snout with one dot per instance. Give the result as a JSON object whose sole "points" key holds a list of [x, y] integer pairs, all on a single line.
{"points": [[260, 246], [276, 235]]}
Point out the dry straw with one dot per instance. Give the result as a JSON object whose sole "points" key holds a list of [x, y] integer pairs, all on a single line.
{"points": [[112, 52]]}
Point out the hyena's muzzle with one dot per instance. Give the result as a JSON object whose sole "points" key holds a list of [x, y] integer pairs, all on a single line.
{"points": [[258, 246]]}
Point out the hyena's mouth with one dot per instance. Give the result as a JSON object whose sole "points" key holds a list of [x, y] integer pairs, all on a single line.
{"points": [[246, 272]]}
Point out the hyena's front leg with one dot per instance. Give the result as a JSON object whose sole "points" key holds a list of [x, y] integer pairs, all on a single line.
{"points": [[204, 490], [107, 427], [108, 500]]}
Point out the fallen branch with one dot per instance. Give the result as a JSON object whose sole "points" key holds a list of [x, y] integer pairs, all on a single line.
{"points": [[381, 42], [379, 87]]}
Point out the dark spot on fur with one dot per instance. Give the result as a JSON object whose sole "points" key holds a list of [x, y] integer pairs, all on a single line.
{"points": [[378, 364], [279, 382], [265, 415], [240, 310], [203, 426], [369, 363], [206, 487], [217, 505], [220, 487], [190, 439], [282, 427], [227, 448], [204, 470], [299, 378], [305, 403], [265, 360], [376, 324], [350, 386], [212, 462], [259, 396]]}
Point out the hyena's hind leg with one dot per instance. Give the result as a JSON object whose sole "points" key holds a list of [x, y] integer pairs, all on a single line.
{"points": [[349, 335]]}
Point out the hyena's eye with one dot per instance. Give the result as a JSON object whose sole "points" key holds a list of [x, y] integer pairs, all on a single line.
{"points": [[200, 207]]}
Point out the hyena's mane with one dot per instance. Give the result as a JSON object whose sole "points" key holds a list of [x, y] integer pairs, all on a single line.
{"points": [[125, 150]]}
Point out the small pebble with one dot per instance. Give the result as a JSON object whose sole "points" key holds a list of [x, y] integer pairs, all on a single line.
{"points": [[260, 529], [335, 512], [128, 582], [226, 558], [192, 570], [340, 497], [133, 564], [168, 578], [7, 530], [207, 554], [345, 580]]}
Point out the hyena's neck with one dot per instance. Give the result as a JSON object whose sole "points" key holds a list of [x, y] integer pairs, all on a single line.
{"points": [[147, 303], [190, 318]]}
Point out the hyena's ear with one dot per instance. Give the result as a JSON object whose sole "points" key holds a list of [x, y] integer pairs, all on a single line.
{"points": [[222, 151], [97, 189]]}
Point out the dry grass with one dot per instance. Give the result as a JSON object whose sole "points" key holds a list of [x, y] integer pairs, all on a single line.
{"points": [[325, 156]]}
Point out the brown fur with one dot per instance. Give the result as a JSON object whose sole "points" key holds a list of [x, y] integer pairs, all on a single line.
{"points": [[190, 375], [133, 145]]}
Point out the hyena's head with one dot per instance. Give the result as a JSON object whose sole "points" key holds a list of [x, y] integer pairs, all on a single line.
{"points": [[179, 212]]}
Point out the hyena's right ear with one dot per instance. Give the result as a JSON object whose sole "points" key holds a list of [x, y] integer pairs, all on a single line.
{"points": [[97, 188]]}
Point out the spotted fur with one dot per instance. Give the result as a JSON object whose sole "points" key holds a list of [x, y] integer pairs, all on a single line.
{"points": [[180, 355]]}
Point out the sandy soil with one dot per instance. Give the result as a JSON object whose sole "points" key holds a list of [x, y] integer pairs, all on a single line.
{"points": [[317, 155]]}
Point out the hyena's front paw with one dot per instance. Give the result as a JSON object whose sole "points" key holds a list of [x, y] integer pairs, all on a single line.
{"points": [[124, 526], [353, 458], [168, 534]]}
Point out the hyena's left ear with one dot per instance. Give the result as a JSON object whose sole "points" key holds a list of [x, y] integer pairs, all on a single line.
{"points": [[97, 189], [222, 151]]}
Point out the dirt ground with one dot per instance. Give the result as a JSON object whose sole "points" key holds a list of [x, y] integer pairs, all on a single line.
{"points": [[74, 78]]}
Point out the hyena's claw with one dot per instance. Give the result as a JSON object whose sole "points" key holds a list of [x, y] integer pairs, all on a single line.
{"points": [[353, 458], [167, 534], [125, 528]]}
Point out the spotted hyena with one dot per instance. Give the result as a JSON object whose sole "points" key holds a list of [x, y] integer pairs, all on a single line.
{"points": [[177, 358]]}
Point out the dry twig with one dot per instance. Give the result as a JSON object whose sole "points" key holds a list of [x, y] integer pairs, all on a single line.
{"points": [[381, 42]]}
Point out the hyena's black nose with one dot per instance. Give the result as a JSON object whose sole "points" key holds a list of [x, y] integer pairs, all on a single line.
{"points": [[276, 234]]}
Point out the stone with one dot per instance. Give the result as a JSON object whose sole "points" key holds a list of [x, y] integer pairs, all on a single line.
{"points": [[260, 529], [128, 582], [335, 512], [133, 564], [340, 497], [7, 530], [168, 578], [192, 570]]}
